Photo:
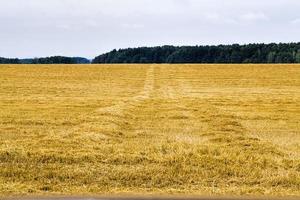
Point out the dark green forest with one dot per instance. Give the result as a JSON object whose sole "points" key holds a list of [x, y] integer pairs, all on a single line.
{"points": [[9, 61], [59, 60], [46, 60], [250, 53]]}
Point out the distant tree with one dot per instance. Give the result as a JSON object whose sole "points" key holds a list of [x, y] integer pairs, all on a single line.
{"points": [[297, 56], [271, 57]]}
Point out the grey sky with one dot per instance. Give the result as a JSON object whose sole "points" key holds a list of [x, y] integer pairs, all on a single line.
{"points": [[34, 28]]}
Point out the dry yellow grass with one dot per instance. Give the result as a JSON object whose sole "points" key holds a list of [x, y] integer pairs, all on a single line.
{"points": [[150, 129]]}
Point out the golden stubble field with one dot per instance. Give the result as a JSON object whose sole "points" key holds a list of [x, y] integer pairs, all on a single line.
{"points": [[150, 129]]}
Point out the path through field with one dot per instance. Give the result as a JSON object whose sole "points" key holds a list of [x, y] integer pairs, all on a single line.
{"points": [[150, 129]]}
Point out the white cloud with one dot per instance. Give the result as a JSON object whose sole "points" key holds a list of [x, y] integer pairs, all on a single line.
{"points": [[64, 26], [296, 21], [182, 2], [92, 23], [132, 26], [212, 16], [254, 16]]}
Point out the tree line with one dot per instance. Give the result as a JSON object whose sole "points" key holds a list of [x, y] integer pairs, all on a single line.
{"points": [[9, 60], [60, 60], [46, 60], [250, 53]]}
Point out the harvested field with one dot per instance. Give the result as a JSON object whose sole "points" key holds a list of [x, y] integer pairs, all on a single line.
{"points": [[150, 129]]}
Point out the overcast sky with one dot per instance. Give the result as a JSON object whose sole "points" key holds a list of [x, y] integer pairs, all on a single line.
{"points": [[34, 28]]}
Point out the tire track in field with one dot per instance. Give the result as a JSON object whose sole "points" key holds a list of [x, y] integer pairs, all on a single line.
{"points": [[133, 101], [207, 121], [173, 119], [121, 119], [225, 129], [195, 120], [117, 120]]}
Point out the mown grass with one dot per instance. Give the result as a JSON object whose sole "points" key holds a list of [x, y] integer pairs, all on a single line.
{"points": [[150, 129]]}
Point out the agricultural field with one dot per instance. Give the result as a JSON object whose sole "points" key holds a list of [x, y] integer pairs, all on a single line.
{"points": [[150, 129]]}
